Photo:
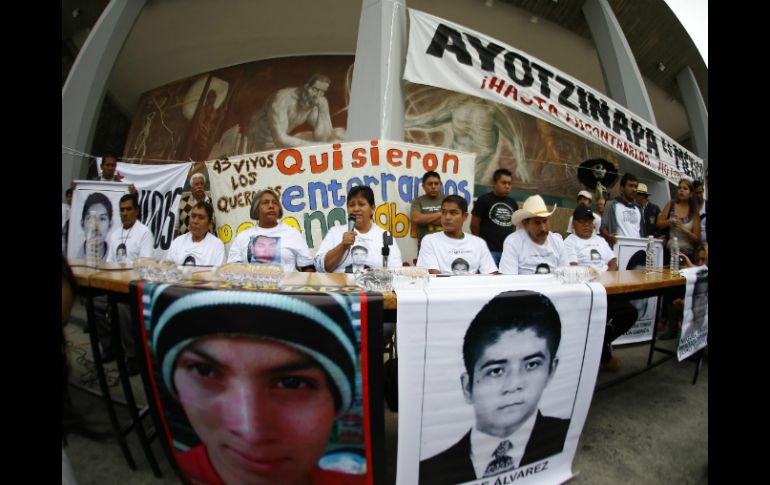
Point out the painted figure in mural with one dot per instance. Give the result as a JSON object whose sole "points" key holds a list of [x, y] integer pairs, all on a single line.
{"points": [[140, 145], [207, 124], [270, 126], [477, 126]]}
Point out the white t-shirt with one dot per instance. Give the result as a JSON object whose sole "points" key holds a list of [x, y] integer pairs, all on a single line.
{"points": [[593, 251], [597, 224], [372, 241], [456, 256], [281, 244], [137, 242], [627, 220], [522, 256], [208, 252]]}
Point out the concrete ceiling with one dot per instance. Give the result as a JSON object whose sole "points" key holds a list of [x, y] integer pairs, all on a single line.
{"points": [[174, 39]]}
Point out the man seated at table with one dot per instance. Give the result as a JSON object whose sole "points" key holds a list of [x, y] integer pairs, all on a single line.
{"points": [[441, 251], [533, 250], [125, 243], [510, 355], [585, 248]]}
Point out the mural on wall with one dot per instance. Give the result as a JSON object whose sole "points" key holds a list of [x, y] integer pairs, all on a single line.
{"points": [[543, 158], [275, 103]]}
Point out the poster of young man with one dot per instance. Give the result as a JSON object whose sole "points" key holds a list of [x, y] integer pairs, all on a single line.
{"points": [[495, 378], [631, 254], [247, 400], [695, 323], [102, 198]]}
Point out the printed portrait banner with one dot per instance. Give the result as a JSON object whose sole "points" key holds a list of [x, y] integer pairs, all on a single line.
{"points": [[632, 254], [313, 183], [104, 199], [518, 392], [241, 399], [447, 55], [159, 188], [695, 322]]}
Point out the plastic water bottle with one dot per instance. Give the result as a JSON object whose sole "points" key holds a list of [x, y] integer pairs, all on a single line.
{"points": [[649, 265], [674, 266], [92, 240]]}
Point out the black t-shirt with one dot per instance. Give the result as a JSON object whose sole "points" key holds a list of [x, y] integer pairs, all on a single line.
{"points": [[495, 213]]}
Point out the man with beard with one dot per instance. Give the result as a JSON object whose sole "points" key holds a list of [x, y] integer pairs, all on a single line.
{"points": [[270, 126]]}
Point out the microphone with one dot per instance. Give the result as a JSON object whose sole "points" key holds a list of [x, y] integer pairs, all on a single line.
{"points": [[387, 240], [351, 222]]}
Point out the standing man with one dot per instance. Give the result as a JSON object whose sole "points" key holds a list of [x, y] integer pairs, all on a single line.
{"points": [[649, 210], [426, 209], [188, 201], [534, 250], [584, 199], [492, 213], [622, 215], [587, 249], [510, 353], [453, 251], [124, 244]]}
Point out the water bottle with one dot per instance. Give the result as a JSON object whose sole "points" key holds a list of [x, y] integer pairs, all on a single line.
{"points": [[674, 266], [649, 265], [92, 240]]}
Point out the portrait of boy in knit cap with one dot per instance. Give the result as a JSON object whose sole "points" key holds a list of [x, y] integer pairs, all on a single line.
{"points": [[262, 379]]}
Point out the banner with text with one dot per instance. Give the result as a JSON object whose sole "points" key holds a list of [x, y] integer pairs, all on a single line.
{"points": [[313, 182], [695, 321], [447, 55], [489, 360], [159, 189]]}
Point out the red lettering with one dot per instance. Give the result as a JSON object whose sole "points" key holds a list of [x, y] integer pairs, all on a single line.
{"points": [[289, 169]]}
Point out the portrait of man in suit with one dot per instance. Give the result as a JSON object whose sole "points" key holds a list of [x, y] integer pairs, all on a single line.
{"points": [[509, 356]]}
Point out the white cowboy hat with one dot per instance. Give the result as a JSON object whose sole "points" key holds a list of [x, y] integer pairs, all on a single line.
{"points": [[534, 206]]}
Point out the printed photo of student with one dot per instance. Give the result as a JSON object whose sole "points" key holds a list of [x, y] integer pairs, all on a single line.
{"points": [[510, 354], [262, 395], [358, 254]]}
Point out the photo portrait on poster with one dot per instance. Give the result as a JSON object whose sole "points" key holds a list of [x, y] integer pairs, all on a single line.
{"points": [[631, 254], [247, 400], [102, 198], [503, 395], [695, 321]]}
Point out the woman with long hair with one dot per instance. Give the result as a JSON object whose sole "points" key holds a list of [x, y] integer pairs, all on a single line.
{"points": [[681, 218]]}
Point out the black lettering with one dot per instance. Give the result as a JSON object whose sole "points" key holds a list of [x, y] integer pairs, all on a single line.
{"points": [[526, 79], [565, 93], [543, 75], [652, 142], [638, 130], [440, 43], [599, 109], [620, 123], [487, 53], [582, 101]]}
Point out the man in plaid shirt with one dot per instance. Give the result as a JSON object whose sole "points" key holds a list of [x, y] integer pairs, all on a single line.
{"points": [[188, 201]]}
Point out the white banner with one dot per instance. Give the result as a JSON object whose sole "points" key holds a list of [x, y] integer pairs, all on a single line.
{"points": [[313, 183], [521, 389], [695, 322], [631, 253], [102, 198], [159, 188], [447, 55]]}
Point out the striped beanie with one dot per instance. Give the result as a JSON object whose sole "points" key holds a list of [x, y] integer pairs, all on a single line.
{"points": [[318, 325]]}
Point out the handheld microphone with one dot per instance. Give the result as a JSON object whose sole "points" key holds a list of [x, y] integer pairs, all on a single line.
{"points": [[351, 222], [387, 240]]}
